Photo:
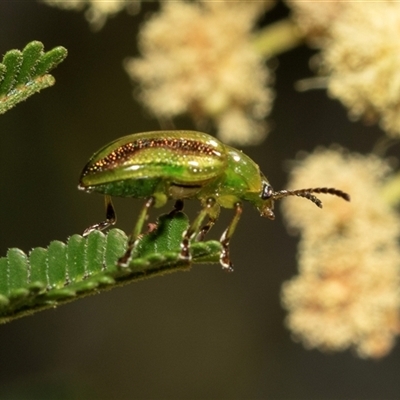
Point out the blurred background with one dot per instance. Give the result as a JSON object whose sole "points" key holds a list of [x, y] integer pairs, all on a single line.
{"points": [[198, 335]]}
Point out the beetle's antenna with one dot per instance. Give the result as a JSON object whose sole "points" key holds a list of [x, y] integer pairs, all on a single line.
{"points": [[307, 194]]}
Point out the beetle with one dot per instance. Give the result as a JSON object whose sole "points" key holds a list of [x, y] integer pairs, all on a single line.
{"points": [[179, 165]]}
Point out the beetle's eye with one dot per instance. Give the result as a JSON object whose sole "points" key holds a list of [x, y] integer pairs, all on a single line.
{"points": [[266, 191]]}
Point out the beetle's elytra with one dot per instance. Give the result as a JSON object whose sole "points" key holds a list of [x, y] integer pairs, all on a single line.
{"points": [[179, 165]]}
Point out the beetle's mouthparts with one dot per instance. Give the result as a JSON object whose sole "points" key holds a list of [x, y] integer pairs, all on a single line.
{"points": [[268, 213]]}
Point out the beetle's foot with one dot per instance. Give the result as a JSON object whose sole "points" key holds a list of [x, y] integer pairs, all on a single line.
{"points": [[185, 257], [89, 230], [203, 232], [125, 260], [98, 227], [225, 261], [185, 251], [224, 258], [200, 236]]}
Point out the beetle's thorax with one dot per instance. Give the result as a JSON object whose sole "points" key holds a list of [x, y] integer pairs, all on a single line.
{"points": [[241, 181]]}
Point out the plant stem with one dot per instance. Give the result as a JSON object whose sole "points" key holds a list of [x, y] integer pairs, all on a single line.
{"points": [[277, 38]]}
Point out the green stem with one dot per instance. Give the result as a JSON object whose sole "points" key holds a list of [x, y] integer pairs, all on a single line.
{"points": [[277, 38]]}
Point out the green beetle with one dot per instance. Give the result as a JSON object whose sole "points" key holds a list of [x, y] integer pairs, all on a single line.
{"points": [[179, 165]]}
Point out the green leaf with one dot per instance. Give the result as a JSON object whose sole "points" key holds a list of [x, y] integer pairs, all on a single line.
{"points": [[12, 62], [31, 54], [50, 60], [68, 271], [3, 71], [25, 73]]}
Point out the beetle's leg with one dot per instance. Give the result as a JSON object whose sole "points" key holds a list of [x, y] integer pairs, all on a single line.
{"points": [[212, 218], [211, 208], [111, 218], [226, 237], [126, 258]]}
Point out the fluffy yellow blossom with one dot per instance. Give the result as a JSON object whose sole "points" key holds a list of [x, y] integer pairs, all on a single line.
{"points": [[97, 11], [198, 58], [347, 293], [315, 18], [363, 62], [360, 54], [360, 176]]}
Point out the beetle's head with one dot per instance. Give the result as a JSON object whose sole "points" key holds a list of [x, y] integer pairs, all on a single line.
{"points": [[268, 196]]}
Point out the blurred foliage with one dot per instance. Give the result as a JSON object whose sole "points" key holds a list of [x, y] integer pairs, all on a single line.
{"points": [[23, 73]]}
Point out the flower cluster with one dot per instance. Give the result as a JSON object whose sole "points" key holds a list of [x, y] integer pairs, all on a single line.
{"points": [[363, 62], [198, 58], [315, 18], [347, 293], [360, 55]]}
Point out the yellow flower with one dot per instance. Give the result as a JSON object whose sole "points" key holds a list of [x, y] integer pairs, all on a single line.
{"points": [[315, 18], [360, 55], [360, 176], [198, 58], [363, 62], [347, 293]]}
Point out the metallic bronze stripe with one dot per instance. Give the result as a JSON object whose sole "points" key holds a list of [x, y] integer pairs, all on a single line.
{"points": [[126, 151]]}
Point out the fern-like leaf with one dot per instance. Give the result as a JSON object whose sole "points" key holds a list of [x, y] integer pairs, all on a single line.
{"points": [[67, 271], [24, 73]]}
